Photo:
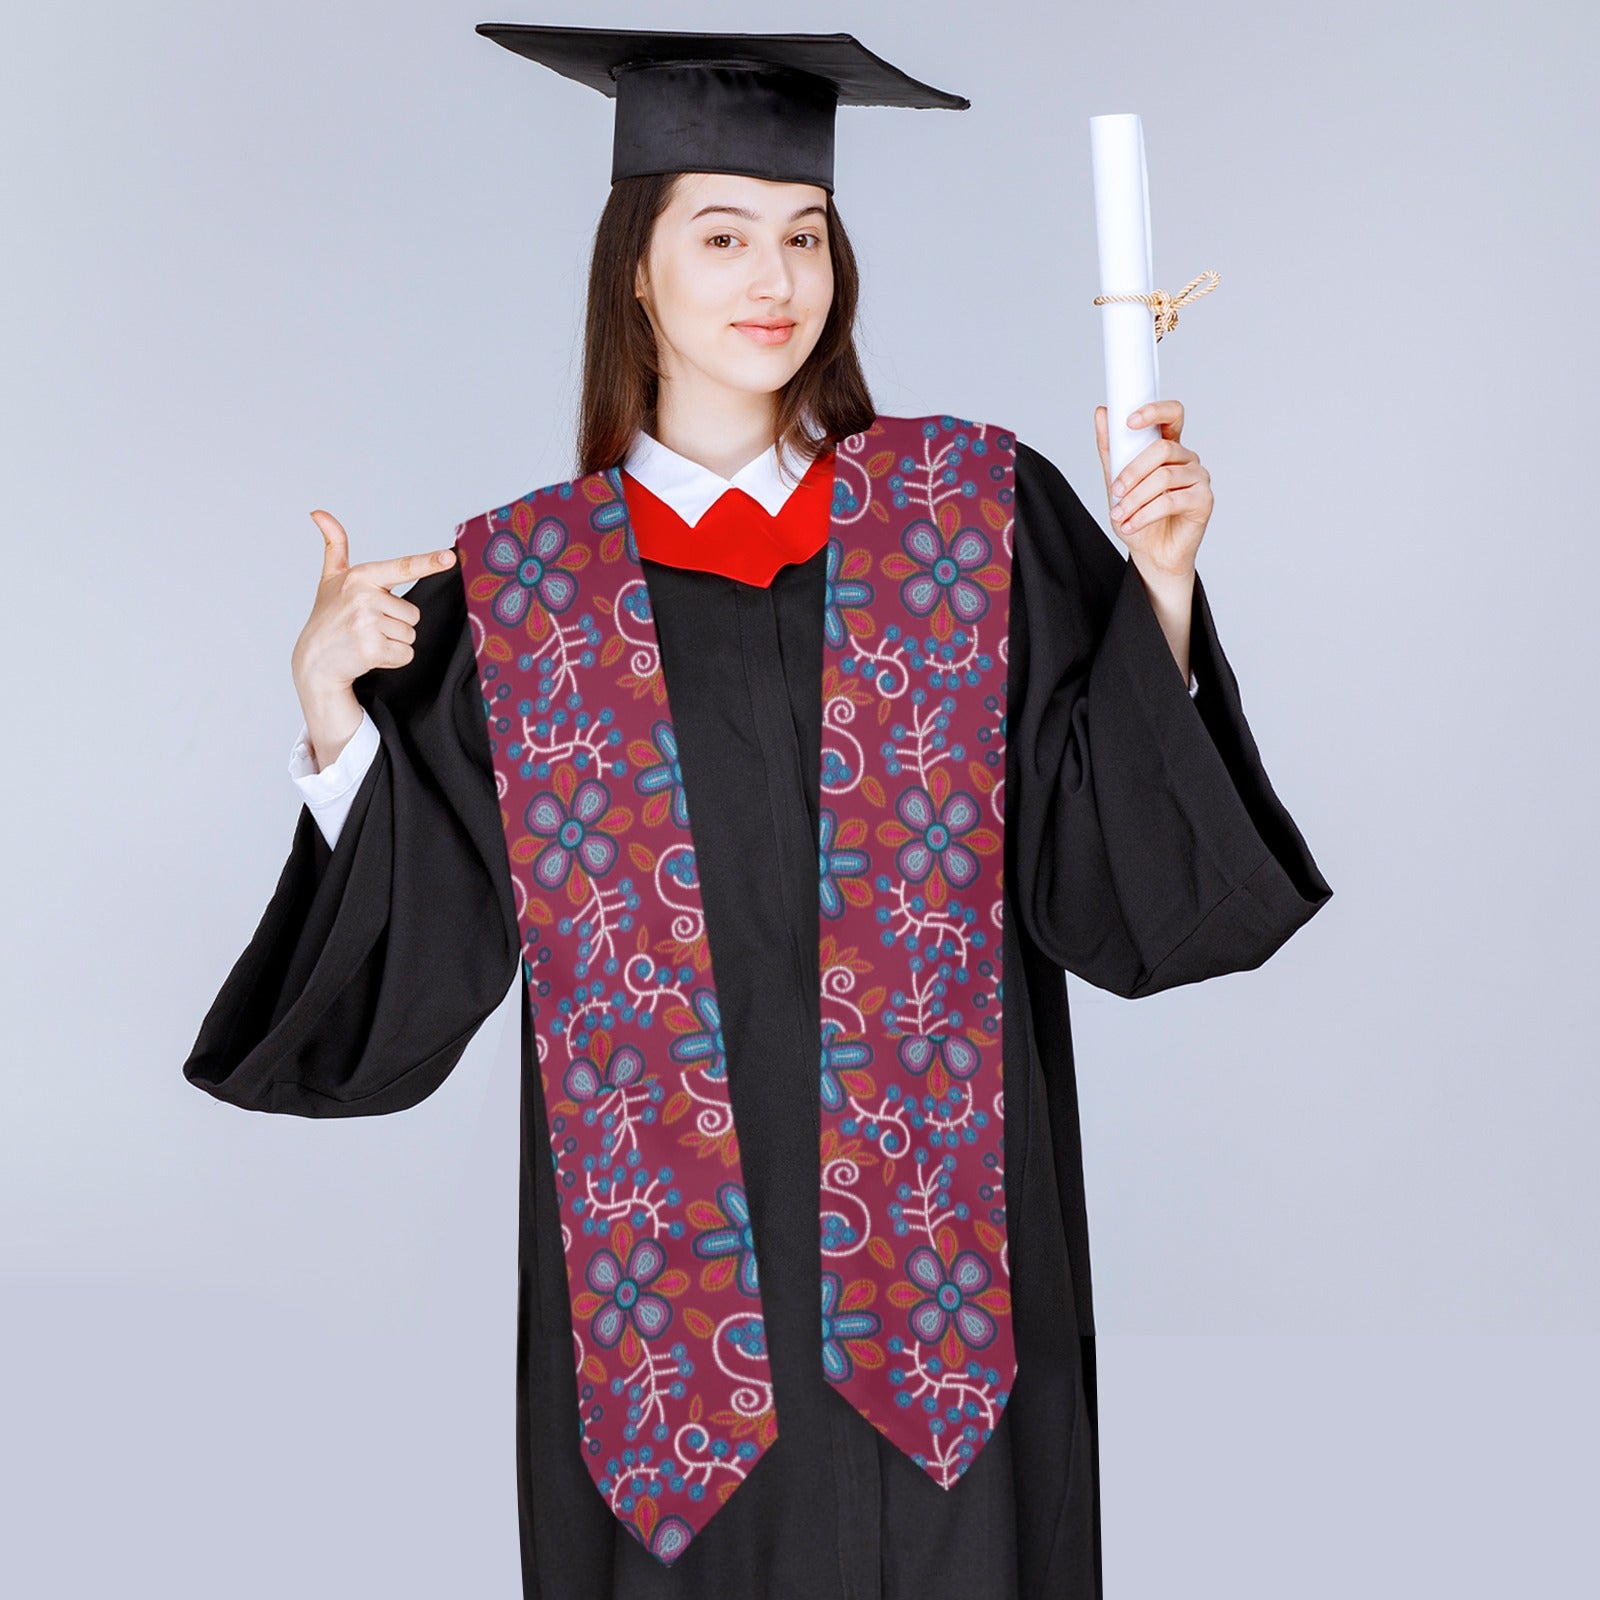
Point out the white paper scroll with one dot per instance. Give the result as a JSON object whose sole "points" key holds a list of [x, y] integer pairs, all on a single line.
{"points": [[1122, 229]]}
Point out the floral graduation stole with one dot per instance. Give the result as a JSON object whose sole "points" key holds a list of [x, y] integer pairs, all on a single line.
{"points": [[669, 1349]]}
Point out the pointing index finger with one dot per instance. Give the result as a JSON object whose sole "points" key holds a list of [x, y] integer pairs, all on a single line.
{"points": [[402, 569]]}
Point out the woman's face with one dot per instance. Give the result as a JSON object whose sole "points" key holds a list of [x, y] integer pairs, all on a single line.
{"points": [[730, 253]]}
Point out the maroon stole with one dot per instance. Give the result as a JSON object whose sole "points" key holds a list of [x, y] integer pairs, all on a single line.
{"points": [[669, 1349]]}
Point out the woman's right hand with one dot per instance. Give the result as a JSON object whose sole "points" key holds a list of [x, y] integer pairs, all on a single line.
{"points": [[356, 624]]}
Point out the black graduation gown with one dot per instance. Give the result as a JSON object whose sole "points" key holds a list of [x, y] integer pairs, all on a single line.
{"points": [[1145, 849]]}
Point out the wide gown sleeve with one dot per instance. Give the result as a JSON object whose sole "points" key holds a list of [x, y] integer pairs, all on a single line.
{"points": [[1146, 844], [378, 959]]}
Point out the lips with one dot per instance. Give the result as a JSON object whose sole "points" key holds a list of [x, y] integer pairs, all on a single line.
{"points": [[766, 332]]}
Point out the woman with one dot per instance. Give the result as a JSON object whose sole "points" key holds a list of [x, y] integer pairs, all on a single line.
{"points": [[644, 711]]}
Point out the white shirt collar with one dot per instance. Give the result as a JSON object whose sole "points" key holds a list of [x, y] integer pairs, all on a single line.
{"points": [[691, 489]]}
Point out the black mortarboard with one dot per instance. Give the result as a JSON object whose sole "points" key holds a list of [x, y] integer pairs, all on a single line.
{"points": [[760, 104]]}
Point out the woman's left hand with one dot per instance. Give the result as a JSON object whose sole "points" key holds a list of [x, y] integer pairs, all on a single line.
{"points": [[1163, 495]]}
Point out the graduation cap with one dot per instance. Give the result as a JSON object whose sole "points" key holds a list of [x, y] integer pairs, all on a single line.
{"points": [[761, 104]]}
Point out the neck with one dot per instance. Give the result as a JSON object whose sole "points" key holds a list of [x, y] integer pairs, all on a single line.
{"points": [[722, 429]]}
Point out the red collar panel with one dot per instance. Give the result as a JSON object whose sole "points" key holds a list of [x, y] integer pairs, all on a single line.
{"points": [[736, 536]]}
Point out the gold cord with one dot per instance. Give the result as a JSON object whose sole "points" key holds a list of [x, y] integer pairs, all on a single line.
{"points": [[1163, 304]]}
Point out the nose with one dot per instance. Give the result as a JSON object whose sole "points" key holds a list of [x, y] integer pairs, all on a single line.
{"points": [[771, 275]]}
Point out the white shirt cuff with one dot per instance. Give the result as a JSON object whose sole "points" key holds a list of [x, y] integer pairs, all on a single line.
{"points": [[330, 792]]}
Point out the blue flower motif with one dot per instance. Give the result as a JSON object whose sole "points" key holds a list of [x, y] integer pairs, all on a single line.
{"points": [[839, 592], [837, 1058], [950, 1291], [572, 833], [666, 773], [627, 1299], [944, 572], [739, 1239], [960, 1055], [837, 1326], [531, 570], [706, 1045], [835, 864], [936, 835]]}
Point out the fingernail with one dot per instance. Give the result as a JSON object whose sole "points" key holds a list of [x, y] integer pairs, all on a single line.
{"points": [[1134, 417], [1116, 500], [444, 557]]}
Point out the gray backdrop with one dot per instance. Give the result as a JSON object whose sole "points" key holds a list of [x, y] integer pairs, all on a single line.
{"points": [[260, 260]]}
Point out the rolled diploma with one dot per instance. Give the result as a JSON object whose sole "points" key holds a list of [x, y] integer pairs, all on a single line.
{"points": [[1122, 229]]}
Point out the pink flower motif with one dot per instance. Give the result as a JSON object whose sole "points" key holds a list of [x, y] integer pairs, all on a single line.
{"points": [[627, 1299], [572, 833], [936, 835], [951, 1292], [944, 571]]}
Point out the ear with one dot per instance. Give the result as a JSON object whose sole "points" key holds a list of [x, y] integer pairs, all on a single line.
{"points": [[640, 281]]}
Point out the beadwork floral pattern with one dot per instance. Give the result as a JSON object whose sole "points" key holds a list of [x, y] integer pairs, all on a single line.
{"points": [[913, 760], [670, 1349]]}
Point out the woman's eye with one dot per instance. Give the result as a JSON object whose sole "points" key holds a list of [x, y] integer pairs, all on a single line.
{"points": [[816, 239]]}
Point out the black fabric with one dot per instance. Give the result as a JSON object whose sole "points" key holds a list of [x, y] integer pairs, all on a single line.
{"points": [[1146, 849], [714, 118], [757, 103]]}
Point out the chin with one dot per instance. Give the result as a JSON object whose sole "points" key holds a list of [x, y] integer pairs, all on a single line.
{"points": [[764, 378]]}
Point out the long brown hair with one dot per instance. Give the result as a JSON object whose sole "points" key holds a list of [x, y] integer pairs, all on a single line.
{"points": [[620, 374]]}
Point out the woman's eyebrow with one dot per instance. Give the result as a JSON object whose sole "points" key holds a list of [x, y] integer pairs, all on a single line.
{"points": [[755, 216]]}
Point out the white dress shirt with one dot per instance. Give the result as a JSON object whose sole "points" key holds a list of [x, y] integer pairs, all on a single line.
{"points": [[689, 488]]}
